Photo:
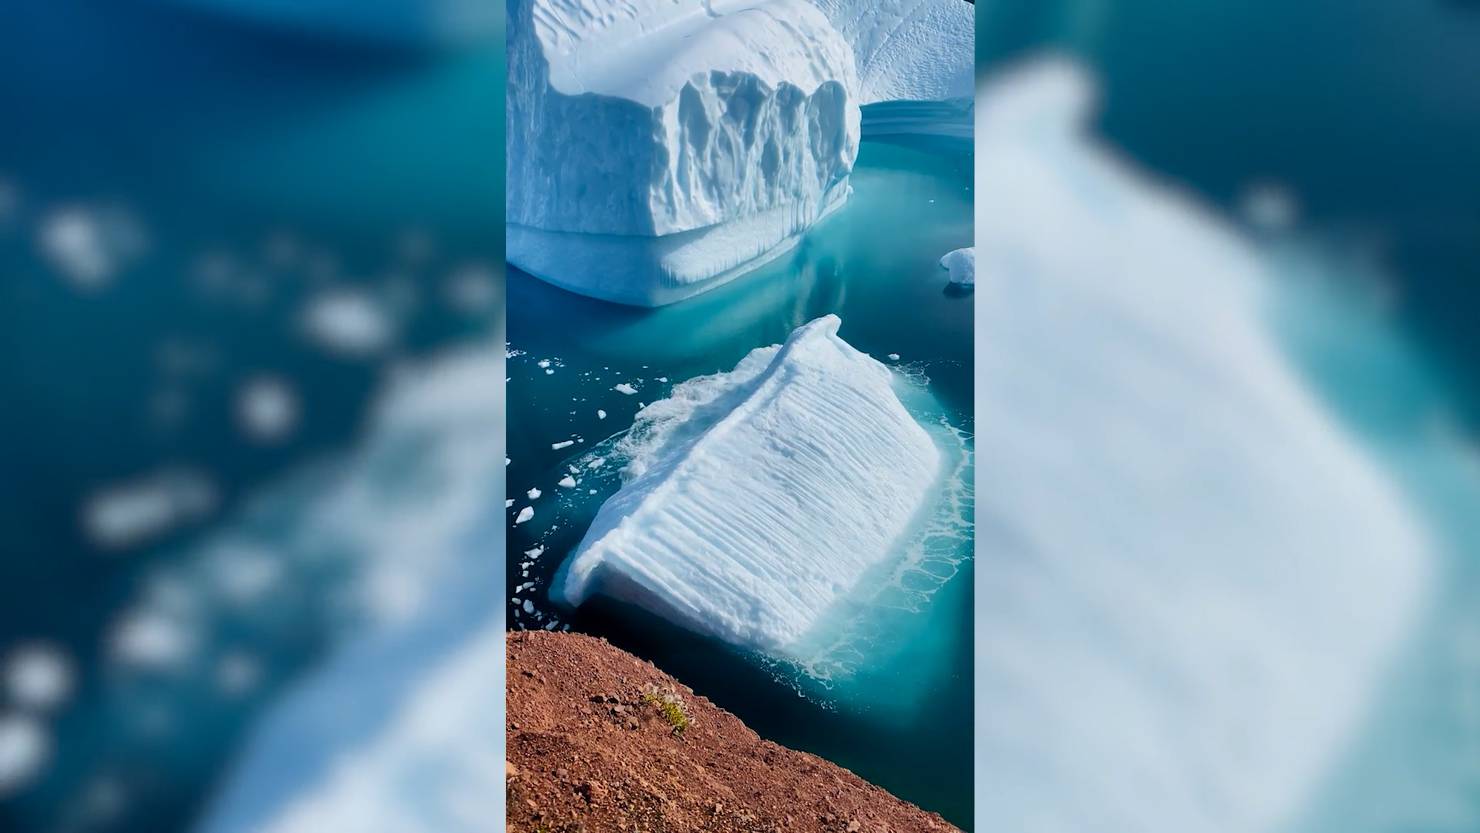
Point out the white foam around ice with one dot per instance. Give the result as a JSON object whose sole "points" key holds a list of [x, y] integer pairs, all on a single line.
{"points": [[1190, 578], [755, 500]]}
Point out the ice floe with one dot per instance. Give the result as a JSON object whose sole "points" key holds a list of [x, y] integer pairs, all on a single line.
{"points": [[1195, 577], [962, 265], [754, 500]]}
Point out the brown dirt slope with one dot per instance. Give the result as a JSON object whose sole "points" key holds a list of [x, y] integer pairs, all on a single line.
{"points": [[591, 749]]}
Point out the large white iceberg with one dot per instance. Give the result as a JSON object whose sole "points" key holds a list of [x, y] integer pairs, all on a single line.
{"points": [[657, 148], [1195, 578], [909, 50], [755, 500]]}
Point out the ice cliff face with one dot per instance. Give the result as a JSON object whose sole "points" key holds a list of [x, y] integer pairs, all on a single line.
{"points": [[1195, 578], [758, 498], [657, 145]]}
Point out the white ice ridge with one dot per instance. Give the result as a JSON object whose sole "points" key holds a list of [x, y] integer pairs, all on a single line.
{"points": [[1194, 578], [659, 147], [756, 499], [909, 50]]}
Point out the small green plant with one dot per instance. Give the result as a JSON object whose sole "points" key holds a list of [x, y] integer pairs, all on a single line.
{"points": [[670, 705]]}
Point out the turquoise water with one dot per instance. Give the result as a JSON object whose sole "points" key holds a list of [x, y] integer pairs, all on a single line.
{"points": [[891, 698]]}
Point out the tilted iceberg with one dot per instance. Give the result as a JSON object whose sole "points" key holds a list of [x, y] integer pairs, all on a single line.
{"points": [[658, 148], [757, 499], [1195, 579]]}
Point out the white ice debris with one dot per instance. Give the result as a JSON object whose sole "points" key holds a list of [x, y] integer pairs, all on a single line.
{"points": [[567, 482], [962, 263], [600, 414], [1195, 578], [38, 677], [525, 515], [562, 444], [153, 639], [533, 493], [89, 245], [756, 499], [348, 322], [625, 389], [659, 148], [267, 408], [25, 749], [147, 508]]}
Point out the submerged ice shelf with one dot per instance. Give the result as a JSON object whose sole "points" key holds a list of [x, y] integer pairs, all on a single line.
{"points": [[659, 148], [756, 500]]}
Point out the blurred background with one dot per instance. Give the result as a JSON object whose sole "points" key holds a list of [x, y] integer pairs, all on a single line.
{"points": [[251, 305], [1229, 404]]}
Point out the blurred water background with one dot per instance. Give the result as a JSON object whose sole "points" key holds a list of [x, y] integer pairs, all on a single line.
{"points": [[1309, 172], [251, 304]]}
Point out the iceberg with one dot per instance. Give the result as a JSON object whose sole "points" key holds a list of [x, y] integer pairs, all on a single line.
{"points": [[962, 265], [657, 148], [909, 50], [755, 500], [1196, 579]]}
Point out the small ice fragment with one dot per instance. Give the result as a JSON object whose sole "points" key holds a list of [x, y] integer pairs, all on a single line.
{"points": [[567, 482], [528, 606], [525, 515], [242, 573], [90, 246], [152, 639], [597, 463], [625, 388], [593, 491], [663, 379], [132, 513], [267, 409], [543, 363], [348, 322], [535, 553], [24, 750], [600, 414], [893, 357], [509, 504], [534, 493], [549, 371], [563, 444], [38, 677]]}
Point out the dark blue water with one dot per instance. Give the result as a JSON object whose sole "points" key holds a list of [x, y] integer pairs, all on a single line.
{"points": [[901, 716], [307, 165]]}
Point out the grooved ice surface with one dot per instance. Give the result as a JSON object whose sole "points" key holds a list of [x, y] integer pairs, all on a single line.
{"points": [[735, 122], [756, 499], [1195, 579], [909, 50]]}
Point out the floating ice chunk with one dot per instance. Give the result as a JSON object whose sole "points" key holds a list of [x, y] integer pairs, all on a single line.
{"points": [[660, 148], [625, 389], [153, 639], [89, 246], [267, 408], [525, 515], [242, 574], [133, 513], [25, 748], [533, 493], [893, 357], [1195, 579], [596, 463], [562, 444], [38, 677], [567, 482], [528, 606], [349, 322], [600, 414], [962, 263], [756, 499]]}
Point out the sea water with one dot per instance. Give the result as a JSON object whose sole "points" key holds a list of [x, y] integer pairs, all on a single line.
{"points": [[886, 690]]}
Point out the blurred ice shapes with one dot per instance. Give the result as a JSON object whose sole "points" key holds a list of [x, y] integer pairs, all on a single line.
{"points": [[89, 246], [146, 509], [350, 322], [267, 409], [1191, 580], [1269, 206], [38, 677], [25, 748]]}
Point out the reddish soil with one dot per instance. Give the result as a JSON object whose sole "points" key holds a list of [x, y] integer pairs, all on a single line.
{"points": [[589, 752]]}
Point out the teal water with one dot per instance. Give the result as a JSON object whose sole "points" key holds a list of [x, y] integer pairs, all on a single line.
{"points": [[892, 698]]}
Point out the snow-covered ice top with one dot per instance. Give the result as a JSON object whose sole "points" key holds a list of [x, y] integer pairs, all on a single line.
{"points": [[962, 263], [909, 50], [652, 117], [756, 499], [1195, 579]]}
